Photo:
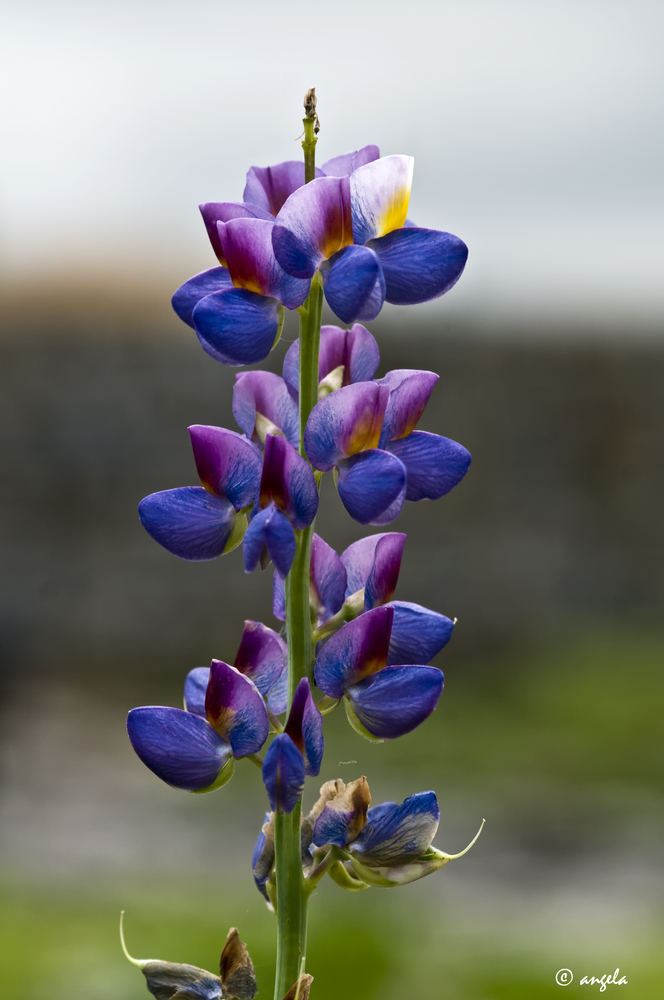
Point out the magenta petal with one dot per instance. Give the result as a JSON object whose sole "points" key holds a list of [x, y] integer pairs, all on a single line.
{"points": [[216, 211], [305, 728], [180, 748], [328, 579], [313, 224], [409, 394], [201, 285], [262, 655], [269, 187], [234, 706], [373, 563], [357, 650], [247, 248], [261, 399], [288, 482], [228, 465], [344, 423], [344, 165]]}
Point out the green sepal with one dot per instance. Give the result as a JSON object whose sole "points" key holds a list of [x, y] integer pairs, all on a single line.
{"points": [[370, 876], [340, 874], [357, 725], [224, 775], [237, 533]]}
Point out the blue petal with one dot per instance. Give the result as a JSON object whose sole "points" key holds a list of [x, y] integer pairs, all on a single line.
{"points": [[419, 264], [418, 634], [434, 464], [237, 327], [343, 816], [283, 774], [400, 834], [269, 535], [305, 728], [328, 579], [190, 294], [377, 811], [279, 597], [277, 699], [189, 522], [179, 747], [195, 687], [262, 859], [372, 486], [396, 700], [354, 284]]}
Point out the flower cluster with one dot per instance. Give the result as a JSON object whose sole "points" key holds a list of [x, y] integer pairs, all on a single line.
{"points": [[348, 225]]}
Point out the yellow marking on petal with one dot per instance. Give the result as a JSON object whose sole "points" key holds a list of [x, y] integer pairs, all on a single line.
{"points": [[394, 214], [223, 721], [249, 284], [366, 433]]}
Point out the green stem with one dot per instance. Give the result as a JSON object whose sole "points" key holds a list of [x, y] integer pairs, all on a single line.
{"points": [[309, 147], [291, 901], [291, 891]]}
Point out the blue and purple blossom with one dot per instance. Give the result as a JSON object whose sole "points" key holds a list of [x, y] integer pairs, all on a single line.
{"points": [[344, 357], [296, 752]]}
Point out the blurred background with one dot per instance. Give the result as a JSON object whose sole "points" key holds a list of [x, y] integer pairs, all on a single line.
{"points": [[537, 133]]}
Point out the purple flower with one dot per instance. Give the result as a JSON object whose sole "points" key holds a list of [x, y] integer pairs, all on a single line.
{"points": [[287, 500], [345, 357], [237, 309], [195, 749], [366, 433], [199, 523], [382, 702], [354, 230], [262, 405]]}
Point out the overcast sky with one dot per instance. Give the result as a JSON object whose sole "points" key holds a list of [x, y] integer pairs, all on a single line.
{"points": [[536, 129]]}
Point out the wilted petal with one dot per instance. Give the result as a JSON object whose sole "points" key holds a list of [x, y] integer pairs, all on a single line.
{"points": [[344, 165], [396, 700], [238, 978], [419, 264], [235, 708], [418, 634], [327, 579], [269, 537], [301, 988], [166, 980], [190, 294], [263, 405], [283, 774], [195, 687], [227, 464], [179, 747], [262, 655], [434, 464], [189, 522], [357, 650], [305, 728], [373, 564], [279, 597], [247, 247], [380, 192], [409, 394], [344, 423], [354, 284], [223, 211], [401, 834], [263, 857], [288, 482], [344, 816], [372, 486], [269, 187], [313, 224], [354, 350], [237, 327]]}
